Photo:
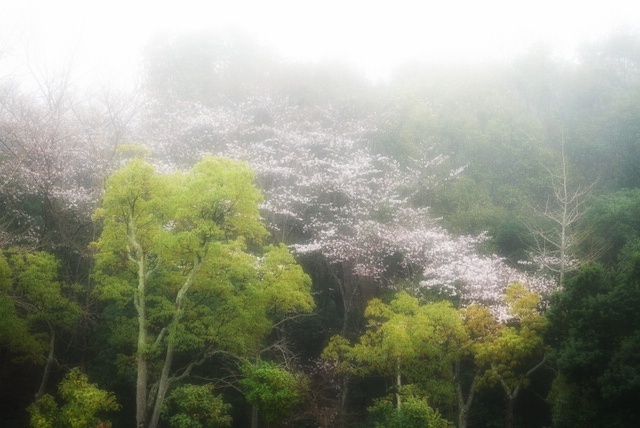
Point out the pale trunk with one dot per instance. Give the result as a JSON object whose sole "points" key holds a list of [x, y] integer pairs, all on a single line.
{"points": [[137, 256], [141, 355], [565, 208], [464, 405], [164, 382]]}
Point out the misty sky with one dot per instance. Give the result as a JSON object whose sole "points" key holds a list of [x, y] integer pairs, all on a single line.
{"points": [[374, 36]]}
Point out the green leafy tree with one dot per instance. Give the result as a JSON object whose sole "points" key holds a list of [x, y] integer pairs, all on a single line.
{"points": [[83, 402], [595, 336], [196, 406], [184, 252], [518, 350], [415, 413], [15, 336], [481, 327], [35, 308], [272, 390], [412, 343]]}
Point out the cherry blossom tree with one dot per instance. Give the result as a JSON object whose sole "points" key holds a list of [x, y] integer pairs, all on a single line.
{"points": [[333, 198], [327, 192], [56, 147]]}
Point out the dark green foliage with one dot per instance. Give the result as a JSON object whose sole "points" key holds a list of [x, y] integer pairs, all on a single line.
{"points": [[595, 332], [274, 390], [573, 405], [614, 221], [512, 239]]}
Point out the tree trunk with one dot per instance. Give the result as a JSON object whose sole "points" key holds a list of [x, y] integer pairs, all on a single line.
{"points": [[565, 219], [164, 382], [47, 367], [142, 365], [163, 385], [508, 415], [464, 405], [254, 416], [137, 255], [398, 384], [344, 393]]}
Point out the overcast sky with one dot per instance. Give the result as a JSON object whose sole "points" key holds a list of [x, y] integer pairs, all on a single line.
{"points": [[373, 35]]}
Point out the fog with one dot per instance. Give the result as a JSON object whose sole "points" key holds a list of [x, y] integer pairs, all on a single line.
{"points": [[105, 39], [329, 214]]}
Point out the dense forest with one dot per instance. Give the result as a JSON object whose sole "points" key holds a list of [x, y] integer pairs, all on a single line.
{"points": [[239, 240]]}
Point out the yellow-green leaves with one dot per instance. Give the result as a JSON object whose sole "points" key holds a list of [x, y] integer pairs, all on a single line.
{"points": [[405, 338], [406, 330], [32, 303], [185, 251], [274, 390], [83, 402], [196, 406], [518, 347]]}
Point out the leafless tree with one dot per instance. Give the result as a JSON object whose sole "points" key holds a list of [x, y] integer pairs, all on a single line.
{"points": [[557, 233]]}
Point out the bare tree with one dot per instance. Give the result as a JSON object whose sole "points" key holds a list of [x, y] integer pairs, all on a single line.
{"points": [[556, 229]]}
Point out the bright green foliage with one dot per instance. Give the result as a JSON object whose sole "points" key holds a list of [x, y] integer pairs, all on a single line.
{"points": [[481, 327], [517, 350], [205, 224], [32, 304], [412, 342], [518, 346], [339, 350], [196, 406], [415, 413], [274, 390], [15, 335], [184, 251], [36, 284], [406, 330], [83, 402]]}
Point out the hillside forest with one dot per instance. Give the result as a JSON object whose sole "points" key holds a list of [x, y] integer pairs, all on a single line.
{"points": [[238, 240]]}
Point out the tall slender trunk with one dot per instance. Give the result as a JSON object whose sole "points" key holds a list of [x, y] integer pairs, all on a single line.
{"points": [[164, 381], [136, 255], [163, 384], [47, 367], [398, 384], [565, 218], [141, 351]]}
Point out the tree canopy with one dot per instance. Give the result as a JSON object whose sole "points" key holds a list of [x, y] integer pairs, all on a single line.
{"points": [[245, 241]]}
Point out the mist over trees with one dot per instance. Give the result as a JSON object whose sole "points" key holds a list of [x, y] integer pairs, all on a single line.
{"points": [[240, 240]]}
